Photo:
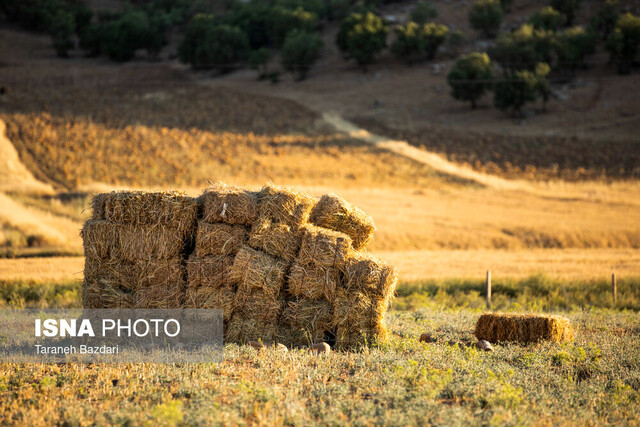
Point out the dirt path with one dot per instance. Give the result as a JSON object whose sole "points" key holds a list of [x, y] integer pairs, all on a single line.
{"points": [[14, 176], [428, 158]]}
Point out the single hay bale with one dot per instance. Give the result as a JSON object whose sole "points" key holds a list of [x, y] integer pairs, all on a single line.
{"points": [[219, 239], [208, 284], [98, 206], [324, 247], [113, 283], [221, 298], [524, 328], [306, 322], [169, 208], [242, 329], [337, 214], [275, 238], [253, 269], [130, 242], [313, 282], [210, 272], [280, 204], [255, 317], [370, 275], [229, 204], [359, 319]]}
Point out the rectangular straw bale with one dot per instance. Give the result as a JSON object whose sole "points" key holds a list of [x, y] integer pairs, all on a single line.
{"points": [[97, 206], [211, 272], [253, 269], [313, 282], [305, 322], [219, 239], [286, 205], [222, 298], [111, 283], [324, 247], [359, 319], [337, 214], [275, 238], [229, 204], [171, 208], [370, 275], [130, 242], [255, 317], [241, 329], [524, 328]]}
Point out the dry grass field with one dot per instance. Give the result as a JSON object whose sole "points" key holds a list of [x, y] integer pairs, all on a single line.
{"points": [[550, 237]]}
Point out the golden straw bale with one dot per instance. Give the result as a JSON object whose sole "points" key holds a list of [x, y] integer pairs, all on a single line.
{"points": [[524, 328], [219, 239], [255, 317], [171, 208], [241, 329], [324, 247], [359, 319], [277, 239], [313, 282], [306, 322], [229, 204], [211, 272], [280, 204], [131, 242], [97, 206], [253, 269], [370, 275], [111, 283], [222, 298], [337, 214]]}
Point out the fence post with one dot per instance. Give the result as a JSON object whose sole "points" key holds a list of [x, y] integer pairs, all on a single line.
{"points": [[489, 288], [614, 288]]}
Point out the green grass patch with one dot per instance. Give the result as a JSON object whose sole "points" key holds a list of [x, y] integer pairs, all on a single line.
{"points": [[41, 294], [536, 293]]}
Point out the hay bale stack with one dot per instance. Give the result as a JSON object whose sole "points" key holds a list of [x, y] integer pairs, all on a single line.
{"points": [[280, 264], [335, 213], [524, 328], [228, 204], [135, 245]]}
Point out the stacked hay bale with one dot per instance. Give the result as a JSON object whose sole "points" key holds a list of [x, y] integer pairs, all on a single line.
{"points": [[282, 266], [524, 328], [226, 213], [135, 244]]}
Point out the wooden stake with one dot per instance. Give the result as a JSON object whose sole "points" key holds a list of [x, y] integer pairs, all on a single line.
{"points": [[489, 288], [614, 287]]}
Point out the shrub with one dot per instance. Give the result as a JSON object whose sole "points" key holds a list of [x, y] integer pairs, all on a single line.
{"points": [[156, 37], [259, 60], [471, 77], [574, 44], [547, 19], [282, 20], [90, 39], [423, 13], [414, 42], [210, 45], [605, 20], [299, 51], [506, 5], [543, 84], [516, 89], [337, 9], [120, 38], [362, 37], [486, 16], [524, 48], [61, 29], [568, 8], [317, 7], [623, 42], [456, 40], [82, 16], [33, 15]]}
